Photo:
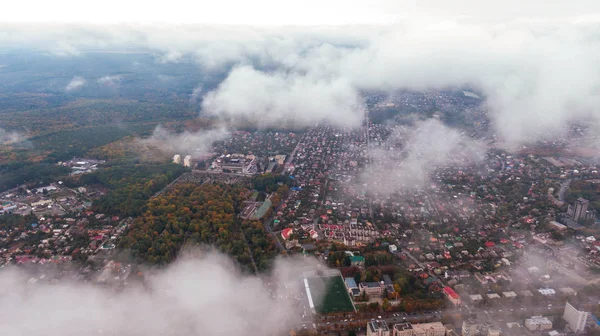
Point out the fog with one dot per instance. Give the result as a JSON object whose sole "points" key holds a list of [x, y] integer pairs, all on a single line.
{"points": [[9, 137], [196, 144], [410, 155], [200, 294]]}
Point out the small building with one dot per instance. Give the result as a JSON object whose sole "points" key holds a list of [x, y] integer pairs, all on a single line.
{"points": [[286, 233], [547, 291], [509, 295], [372, 289], [557, 226], [568, 291], [419, 329], [378, 328], [538, 323], [475, 298], [493, 296], [350, 283], [451, 295], [393, 248]]}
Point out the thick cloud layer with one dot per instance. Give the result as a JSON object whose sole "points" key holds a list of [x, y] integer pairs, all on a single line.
{"points": [[409, 156], [283, 100], [537, 74], [195, 296], [196, 144]]}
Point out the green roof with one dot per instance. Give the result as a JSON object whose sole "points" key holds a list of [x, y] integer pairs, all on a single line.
{"points": [[357, 259]]}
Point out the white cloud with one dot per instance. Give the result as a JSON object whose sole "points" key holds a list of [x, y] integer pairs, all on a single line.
{"points": [[538, 66], [111, 81], [283, 99], [75, 84], [196, 143], [194, 296]]}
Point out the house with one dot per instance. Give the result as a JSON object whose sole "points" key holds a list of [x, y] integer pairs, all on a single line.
{"points": [[451, 295], [357, 261]]}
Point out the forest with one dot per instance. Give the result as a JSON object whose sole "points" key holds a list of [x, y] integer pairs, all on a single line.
{"points": [[33, 174], [270, 182], [131, 186], [190, 214]]}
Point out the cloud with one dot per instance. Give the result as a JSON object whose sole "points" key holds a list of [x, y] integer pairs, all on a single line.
{"points": [[195, 144], [537, 67], [75, 84], [410, 155], [283, 99], [196, 94], [110, 81], [201, 295]]}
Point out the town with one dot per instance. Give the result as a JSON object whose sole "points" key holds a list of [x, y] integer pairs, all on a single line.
{"points": [[502, 246]]}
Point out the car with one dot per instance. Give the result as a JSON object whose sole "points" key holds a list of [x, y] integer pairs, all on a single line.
{"points": [[328, 322], [378, 317], [345, 320]]}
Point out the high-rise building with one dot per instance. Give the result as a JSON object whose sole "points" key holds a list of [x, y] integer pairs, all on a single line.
{"points": [[575, 318], [187, 161], [581, 207], [378, 328], [177, 159]]}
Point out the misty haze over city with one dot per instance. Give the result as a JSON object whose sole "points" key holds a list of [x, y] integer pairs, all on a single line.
{"points": [[348, 167]]}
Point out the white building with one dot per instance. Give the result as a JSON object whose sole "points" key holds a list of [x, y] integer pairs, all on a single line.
{"points": [[393, 248], [420, 329], [538, 323], [187, 161], [575, 318], [177, 159], [378, 328]]}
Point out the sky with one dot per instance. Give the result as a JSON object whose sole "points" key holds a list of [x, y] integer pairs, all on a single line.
{"points": [[275, 12]]}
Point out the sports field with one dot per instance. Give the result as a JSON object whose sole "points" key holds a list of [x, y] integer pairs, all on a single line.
{"points": [[260, 212], [330, 295]]}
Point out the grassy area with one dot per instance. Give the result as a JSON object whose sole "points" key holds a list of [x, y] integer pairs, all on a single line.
{"points": [[330, 295]]}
